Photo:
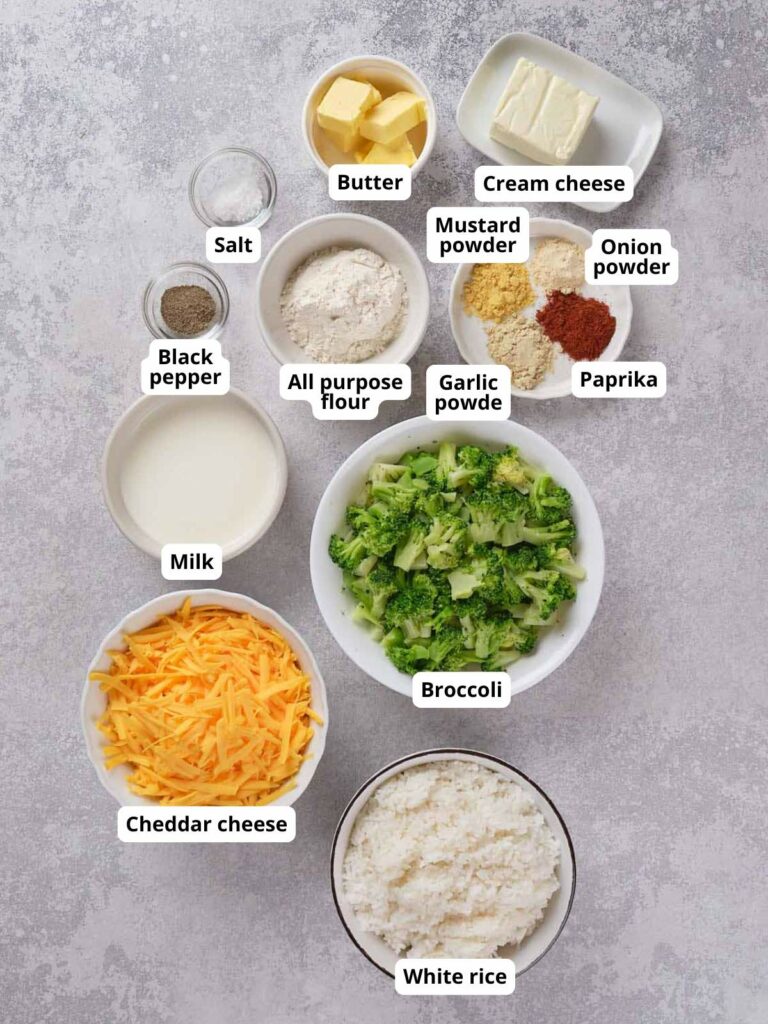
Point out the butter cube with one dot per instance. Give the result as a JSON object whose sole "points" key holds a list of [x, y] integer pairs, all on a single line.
{"points": [[344, 105], [541, 115], [347, 142], [399, 151], [363, 150], [393, 117]]}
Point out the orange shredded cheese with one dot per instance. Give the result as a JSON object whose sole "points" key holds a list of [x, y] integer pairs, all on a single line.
{"points": [[207, 706]]}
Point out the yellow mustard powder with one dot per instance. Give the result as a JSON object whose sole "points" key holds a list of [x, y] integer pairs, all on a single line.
{"points": [[495, 291]]}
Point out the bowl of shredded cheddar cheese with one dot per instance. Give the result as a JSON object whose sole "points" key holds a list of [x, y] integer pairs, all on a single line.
{"points": [[204, 698]]}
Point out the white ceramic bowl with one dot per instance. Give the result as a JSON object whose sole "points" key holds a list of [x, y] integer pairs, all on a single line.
{"points": [[345, 230], [118, 445], [388, 76], [94, 702], [336, 605], [544, 936], [471, 338]]}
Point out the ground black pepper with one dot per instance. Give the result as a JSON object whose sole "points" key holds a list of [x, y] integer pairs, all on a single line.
{"points": [[187, 309]]}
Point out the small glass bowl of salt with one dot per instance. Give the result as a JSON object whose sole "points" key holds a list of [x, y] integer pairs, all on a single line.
{"points": [[232, 188]]}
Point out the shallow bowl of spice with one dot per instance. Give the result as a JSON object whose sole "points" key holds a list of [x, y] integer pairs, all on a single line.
{"points": [[233, 187], [186, 300], [539, 317]]}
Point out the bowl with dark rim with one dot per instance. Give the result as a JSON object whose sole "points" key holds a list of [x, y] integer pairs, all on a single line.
{"points": [[525, 954]]}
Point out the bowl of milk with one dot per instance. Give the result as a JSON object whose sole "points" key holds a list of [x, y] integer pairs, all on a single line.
{"points": [[194, 470]]}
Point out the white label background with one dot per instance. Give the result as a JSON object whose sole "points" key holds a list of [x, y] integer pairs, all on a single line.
{"points": [[518, 255], [551, 175], [214, 815], [458, 679], [615, 369], [360, 173], [464, 988], [229, 235], [501, 374], [188, 346], [390, 371], [179, 550], [595, 255]]}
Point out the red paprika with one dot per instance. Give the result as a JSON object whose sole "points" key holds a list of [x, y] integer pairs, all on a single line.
{"points": [[582, 327]]}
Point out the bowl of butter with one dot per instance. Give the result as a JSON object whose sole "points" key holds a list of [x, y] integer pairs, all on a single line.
{"points": [[369, 110]]}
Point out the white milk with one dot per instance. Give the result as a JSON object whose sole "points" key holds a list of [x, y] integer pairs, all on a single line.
{"points": [[200, 470]]}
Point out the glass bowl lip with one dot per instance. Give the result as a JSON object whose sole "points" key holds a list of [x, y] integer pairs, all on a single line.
{"points": [[156, 327], [264, 213]]}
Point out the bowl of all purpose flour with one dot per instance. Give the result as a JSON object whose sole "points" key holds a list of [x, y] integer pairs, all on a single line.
{"points": [[452, 853], [342, 289]]}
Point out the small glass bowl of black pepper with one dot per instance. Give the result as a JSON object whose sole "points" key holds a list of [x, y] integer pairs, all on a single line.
{"points": [[186, 300]]}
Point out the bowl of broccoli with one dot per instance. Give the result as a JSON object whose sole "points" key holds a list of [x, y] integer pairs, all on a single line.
{"points": [[456, 546]]}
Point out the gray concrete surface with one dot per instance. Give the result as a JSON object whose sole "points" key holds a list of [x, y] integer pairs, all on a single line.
{"points": [[650, 739]]}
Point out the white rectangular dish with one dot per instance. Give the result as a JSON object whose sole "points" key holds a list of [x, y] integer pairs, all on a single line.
{"points": [[625, 129]]}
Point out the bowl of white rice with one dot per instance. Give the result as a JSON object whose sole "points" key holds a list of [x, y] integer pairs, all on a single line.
{"points": [[452, 853]]}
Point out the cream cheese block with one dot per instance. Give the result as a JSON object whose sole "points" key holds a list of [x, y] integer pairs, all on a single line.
{"points": [[541, 115]]}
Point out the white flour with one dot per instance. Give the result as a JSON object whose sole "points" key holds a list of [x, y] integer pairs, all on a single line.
{"points": [[344, 305]]}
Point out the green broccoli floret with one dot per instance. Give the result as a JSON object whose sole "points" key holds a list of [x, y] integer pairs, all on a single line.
{"points": [[420, 463], [374, 590], [357, 517], [446, 464], [381, 472], [459, 659], [549, 503], [520, 559], [430, 503], [474, 467], [400, 496], [347, 554], [492, 589], [442, 591], [446, 541], [382, 527], [550, 556], [412, 609], [562, 533], [408, 658], [447, 642], [516, 641], [546, 590], [492, 510], [510, 470], [411, 550], [466, 578], [484, 522], [471, 613], [489, 636], [511, 595]]}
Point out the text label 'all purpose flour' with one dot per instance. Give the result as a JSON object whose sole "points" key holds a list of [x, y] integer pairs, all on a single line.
{"points": [[345, 391]]}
